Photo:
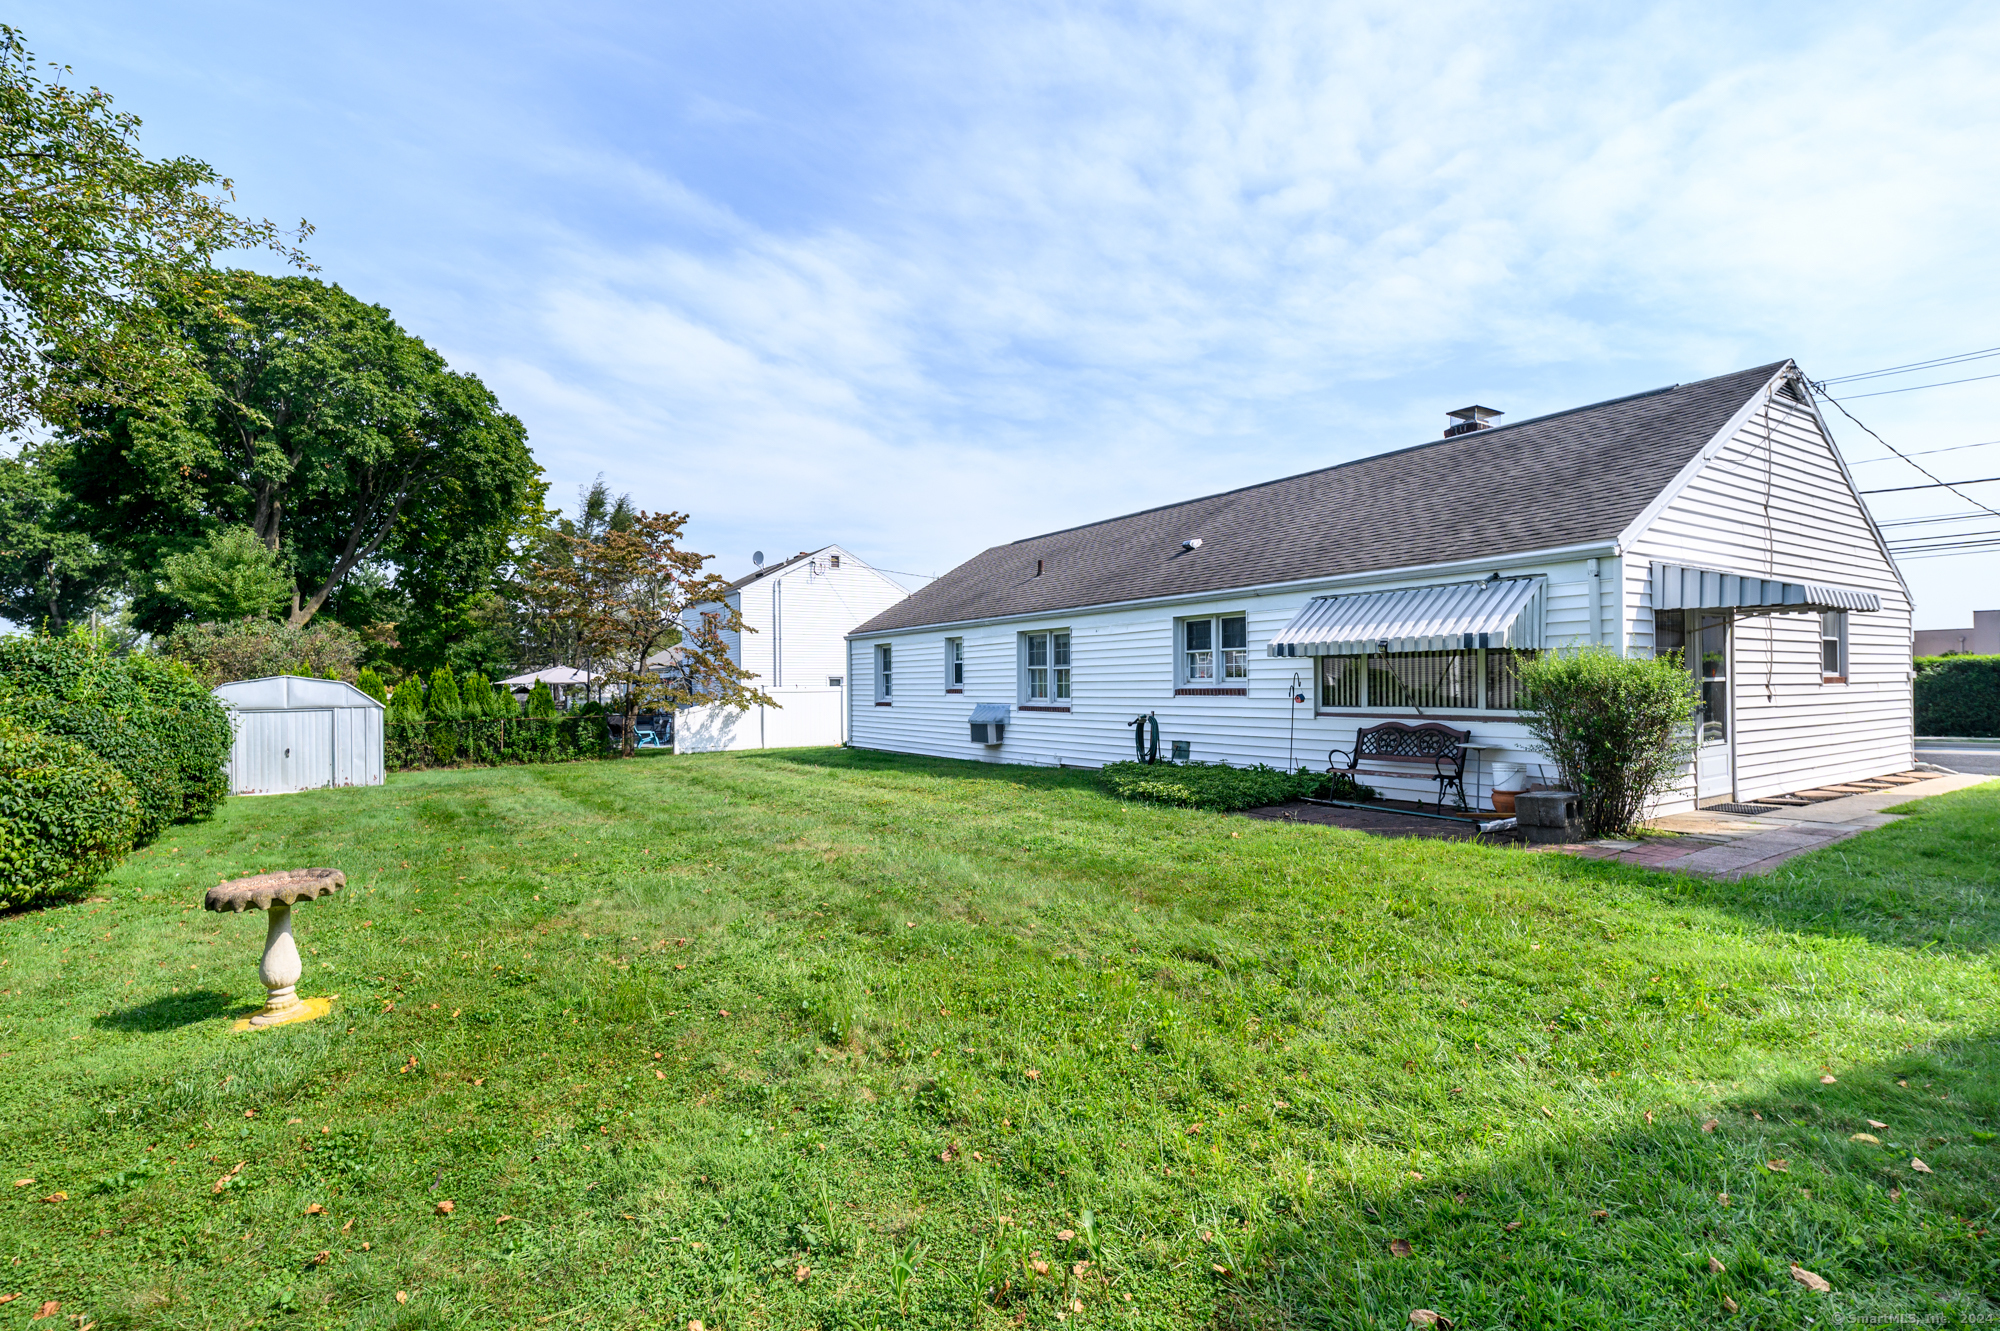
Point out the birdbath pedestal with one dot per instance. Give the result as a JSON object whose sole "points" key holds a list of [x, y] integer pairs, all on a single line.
{"points": [[275, 894]]}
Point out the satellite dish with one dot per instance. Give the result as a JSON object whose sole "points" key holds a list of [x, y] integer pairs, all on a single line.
{"points": [[758, 559]]}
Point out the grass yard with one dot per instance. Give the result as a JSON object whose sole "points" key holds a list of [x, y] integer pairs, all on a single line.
{"points": [[827, 1039]]}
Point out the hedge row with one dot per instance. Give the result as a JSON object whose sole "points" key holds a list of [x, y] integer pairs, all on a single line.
{"points": [[528, 739], [101, 753], [1221, 788], [1958, 695]]}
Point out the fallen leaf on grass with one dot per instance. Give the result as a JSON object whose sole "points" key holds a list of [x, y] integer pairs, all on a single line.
{"points": [[1513, 1225], [680, 965], [1600, 1215], [1810, 1280], [1895, 1194], [1065, 1235], [1546, 1110], [1778, 1166], [1715, 1268], [22, 1182], [1828, 1080], [322, 1257], [49, 1309], [503, 1220], [1425, 1317], [1399, 1247], [802, 1274], [1649, 1118], [659, 1076], [1919, 1166], [1873, 1124], [228, 1178], [346, 1227], [1722, 1197], [443, 1208], [1759, 1117], [1711, 1125], [1415, 1175], [1866, 1137], [402, 1296], [315, 1209], [1728, 1304], [54, 1197], [1033, 1074]]}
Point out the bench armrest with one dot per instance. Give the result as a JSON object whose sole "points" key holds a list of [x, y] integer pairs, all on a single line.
{"points": [[1352, 759]]}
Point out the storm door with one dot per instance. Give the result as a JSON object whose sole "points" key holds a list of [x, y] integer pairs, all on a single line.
{"points": [[1704, 640]]}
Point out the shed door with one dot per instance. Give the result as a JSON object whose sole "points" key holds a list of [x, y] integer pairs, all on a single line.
{"points": [[303, 744]]}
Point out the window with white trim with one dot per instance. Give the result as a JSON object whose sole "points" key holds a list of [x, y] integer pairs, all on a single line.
{"points": [[954, 663], [1214, 652], [885, 675], [1045, 675], [1833, 645]]}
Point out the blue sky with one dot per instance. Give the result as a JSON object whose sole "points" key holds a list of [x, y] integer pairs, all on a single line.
{"points": [[924, 279]]}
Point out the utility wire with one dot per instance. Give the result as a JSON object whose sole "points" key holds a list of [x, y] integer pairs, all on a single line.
{"points": [[1930, 521], [1946, 383], [1955, 448], [1914, 366], [1945, 485], [1899, 453]]}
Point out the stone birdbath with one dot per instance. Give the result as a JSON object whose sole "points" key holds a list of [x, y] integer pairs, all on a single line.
{"points": [[275, 894]]}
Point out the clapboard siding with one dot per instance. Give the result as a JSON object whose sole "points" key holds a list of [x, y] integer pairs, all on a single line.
{"points": [[797, 618], [1773, 500], [1123, 667]]}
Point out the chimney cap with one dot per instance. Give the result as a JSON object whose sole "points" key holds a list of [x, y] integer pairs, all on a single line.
{"points": [[1467, 419]]}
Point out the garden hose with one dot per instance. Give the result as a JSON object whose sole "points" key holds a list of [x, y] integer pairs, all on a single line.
{"points": [[1138, 724]]}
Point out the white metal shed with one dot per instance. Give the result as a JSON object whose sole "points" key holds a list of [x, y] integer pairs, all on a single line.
{"points": [[296, 733]]}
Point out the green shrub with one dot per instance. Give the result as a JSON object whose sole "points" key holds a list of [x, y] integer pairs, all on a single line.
{"points": [[258, 648], [542, 701], [371, 684], [1619, 729], [66, 815], [1958, 695], [408, 703], [1221, 788], [442, 702], [150, 719]]}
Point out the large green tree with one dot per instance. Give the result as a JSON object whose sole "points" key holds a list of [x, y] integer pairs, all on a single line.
{"points": [[331, 433], [50, 570], [93, 234]]}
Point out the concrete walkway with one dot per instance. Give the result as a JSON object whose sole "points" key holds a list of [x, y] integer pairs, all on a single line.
{"points": [[1728, 845]]}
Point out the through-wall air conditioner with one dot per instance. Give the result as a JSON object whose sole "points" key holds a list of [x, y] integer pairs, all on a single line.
{"points": [[989, 723]]}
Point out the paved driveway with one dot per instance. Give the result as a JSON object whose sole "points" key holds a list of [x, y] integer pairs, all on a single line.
{"points": [[1961, 756]]}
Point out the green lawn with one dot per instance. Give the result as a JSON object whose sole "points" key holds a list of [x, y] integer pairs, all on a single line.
{"points": [[785, 1040]]}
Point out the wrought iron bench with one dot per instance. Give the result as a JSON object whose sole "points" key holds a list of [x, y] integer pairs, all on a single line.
{"points": [[1432, 750]]}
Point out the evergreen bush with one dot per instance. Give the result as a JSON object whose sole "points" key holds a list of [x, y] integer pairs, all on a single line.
{"points": [[1619, 729], [66, 815], [542, 701], [371, 684], [1958, 695]]}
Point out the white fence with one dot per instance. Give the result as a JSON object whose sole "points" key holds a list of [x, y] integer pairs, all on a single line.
{"points": [[804, 718]]}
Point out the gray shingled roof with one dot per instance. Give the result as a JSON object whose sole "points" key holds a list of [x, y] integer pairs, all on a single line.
{"points": [[1557, 480]]}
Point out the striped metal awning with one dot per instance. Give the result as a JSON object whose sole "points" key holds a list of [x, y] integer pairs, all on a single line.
{"points": [[1679, 587], [1495, 613]]}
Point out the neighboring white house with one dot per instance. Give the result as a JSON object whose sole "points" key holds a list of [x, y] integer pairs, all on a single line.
{"points": [[799, 612], [298, 733], [1714, 516]]}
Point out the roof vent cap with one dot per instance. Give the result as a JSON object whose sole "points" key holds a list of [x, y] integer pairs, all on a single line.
{"points": [[1191, 543], [1467, 419]]}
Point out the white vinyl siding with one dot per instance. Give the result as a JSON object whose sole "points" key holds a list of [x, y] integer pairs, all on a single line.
{"points": [[1790, 731]]}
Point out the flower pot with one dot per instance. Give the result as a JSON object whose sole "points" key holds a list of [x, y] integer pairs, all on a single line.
{"points": [[1503, 802]]}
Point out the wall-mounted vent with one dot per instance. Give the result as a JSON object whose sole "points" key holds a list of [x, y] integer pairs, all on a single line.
{"points": [[1038, 568], [989, 723], [1467, 419]]}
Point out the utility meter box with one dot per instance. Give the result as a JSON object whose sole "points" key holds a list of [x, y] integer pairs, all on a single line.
{"points": [[989, 723]]}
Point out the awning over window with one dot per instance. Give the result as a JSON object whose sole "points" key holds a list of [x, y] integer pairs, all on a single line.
{"points": [[1494, 613], [1678, 587]]}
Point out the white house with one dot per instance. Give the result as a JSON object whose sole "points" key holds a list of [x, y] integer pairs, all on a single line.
{"points": [[799, 611], [1715, 517]]}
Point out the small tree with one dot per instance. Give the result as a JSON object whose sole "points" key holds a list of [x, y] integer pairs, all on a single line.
{"points": [[629, 594], [443, 702], [1619, 729], [231, 575], [407, 707]]}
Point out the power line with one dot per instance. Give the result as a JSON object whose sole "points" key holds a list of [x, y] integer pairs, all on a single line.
{"points": [[1955, 448], [1914, 365], [1899, 453], [1940, 485], [1947, 383], [1930, 521]]}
